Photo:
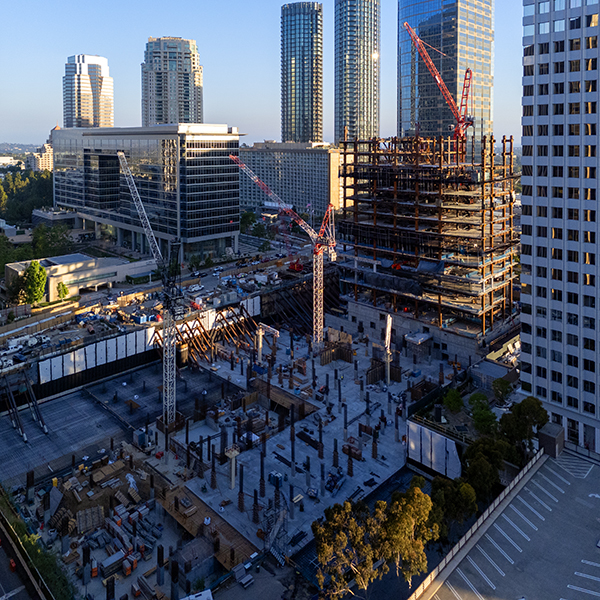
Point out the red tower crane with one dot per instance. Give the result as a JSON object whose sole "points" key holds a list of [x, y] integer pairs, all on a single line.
{"points": [[460, 114]]}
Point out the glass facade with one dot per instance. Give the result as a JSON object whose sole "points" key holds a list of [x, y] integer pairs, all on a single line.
{"points": [[463, 30], [88, 98], [188, 184], [302, 72], [357, 49], [172, 85]]}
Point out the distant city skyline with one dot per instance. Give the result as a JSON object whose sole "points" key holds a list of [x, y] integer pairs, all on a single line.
{"points": [[242, 78]]}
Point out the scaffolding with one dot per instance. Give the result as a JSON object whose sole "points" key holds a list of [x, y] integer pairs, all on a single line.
{"points": [[427, 228]]}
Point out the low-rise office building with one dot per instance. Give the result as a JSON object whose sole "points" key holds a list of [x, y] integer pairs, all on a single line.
{"points": [[80, 271], [303, 175], [187, 183]]}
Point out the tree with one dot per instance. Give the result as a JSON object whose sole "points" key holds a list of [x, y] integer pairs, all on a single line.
{"points": [[208, 262], [259, 230], [453, 501], [501, 389], [483, 476], [34, 282], [520, 424], [348, 546], [453, 400], [247, 219], [265, 246], [62, 290], [50, 241], [484, 420], [195, 262]]}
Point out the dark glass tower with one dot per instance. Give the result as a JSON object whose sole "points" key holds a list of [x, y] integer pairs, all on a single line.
{"points": [[302, 72], [357, 38], [463, 30]]}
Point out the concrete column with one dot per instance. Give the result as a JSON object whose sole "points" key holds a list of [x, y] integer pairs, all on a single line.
{"points": [[345, 422], [119, 237], [160, 570], [322, 480], [308, 471], [336, 457], [292, 501]]}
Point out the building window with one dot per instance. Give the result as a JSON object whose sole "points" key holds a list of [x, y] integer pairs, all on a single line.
{"points": [[572, 402], [556, 397], [589, 365], [588, 407]]}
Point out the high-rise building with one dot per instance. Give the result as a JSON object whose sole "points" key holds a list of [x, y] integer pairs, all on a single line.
{"points": [[462, 33], [171, 82], [357, 39], [559, 244], [303, 175], [302, 72], [88, 99], [186, 181]]}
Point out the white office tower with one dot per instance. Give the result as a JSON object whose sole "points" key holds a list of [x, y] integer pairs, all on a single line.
{"points": [[560, 261], [88, 93], [171, 82]]}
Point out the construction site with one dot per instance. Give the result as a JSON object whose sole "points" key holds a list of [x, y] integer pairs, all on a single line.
{"points": [[427, 235], [174, 455]]}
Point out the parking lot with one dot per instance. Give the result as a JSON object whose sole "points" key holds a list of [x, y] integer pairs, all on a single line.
{"points": [[542, 546]]}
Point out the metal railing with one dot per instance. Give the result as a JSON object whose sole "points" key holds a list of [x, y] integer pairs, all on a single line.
{"points": [[463, 541]]}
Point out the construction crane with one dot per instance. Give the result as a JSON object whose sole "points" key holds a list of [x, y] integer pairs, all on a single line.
{"points": [[172, 308], [322, 242], [460, 113]]}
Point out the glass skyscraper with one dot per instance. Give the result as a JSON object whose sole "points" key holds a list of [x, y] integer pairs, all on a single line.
{"points": [[357, 41], [302, 72], [463, 30], [88, 99], [171, 82]]}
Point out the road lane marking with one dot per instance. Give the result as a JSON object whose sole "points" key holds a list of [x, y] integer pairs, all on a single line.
{"points": [[539, 500], [449, 586], [551, 483], [584, 503], [524, 518], [565, 481], [583, 590], [490, 560], [507, 537], [483, 575], [586, 576], [592, 564], [535, 512], [506, 556], [473, 588], [514, 525], [545, 491]]}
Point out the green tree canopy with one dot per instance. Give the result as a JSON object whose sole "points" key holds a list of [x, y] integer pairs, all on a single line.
{"points": [[50, 241], [208, 262], [520, 424], [453, 501], [501, 389], [34, 282], [259, 230], [247, 219], [453, 400], [62, 290]]}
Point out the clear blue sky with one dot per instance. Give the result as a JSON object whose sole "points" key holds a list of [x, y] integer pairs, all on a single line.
{"points": [[239, 47]]}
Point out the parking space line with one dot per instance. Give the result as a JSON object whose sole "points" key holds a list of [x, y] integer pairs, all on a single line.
{"points": [[473, 588], [551, 483], [483, 575], [586, 576], [584, 503], [451, 588], [506, 556], [508, 538], [583, 590], [589, 562], [566, 482], [539, 500], [535, 512], [490, 560], [545, 491], [524, 518], [514, 525]]}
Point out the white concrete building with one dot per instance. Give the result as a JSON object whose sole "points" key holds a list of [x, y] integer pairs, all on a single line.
{"points": [[88, 94], [560, 261], [306, 176]]}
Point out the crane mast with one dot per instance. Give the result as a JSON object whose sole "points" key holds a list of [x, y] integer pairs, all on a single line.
{"points": [[323, 241], [171, 307]]}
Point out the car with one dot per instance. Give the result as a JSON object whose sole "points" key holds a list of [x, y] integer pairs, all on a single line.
{"points": [[196, 274]]}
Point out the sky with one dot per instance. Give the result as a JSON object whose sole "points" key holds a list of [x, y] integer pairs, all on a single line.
{"points": [[239, 47]]}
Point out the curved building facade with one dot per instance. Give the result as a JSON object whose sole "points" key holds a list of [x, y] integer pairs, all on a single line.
{"points": [[302, 72], [357, 49], [462, 32]]}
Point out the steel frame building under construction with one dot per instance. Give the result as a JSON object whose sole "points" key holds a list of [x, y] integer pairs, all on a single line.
{"points": [[427, 233]]}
